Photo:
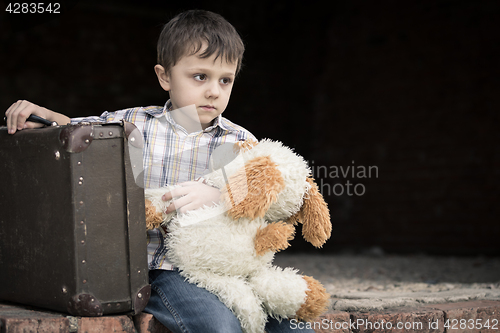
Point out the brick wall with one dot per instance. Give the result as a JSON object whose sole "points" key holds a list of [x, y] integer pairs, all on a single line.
{"points": [[409, 87]]}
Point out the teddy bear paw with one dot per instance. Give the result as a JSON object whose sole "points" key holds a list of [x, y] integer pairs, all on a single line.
{"points": [[153, 218], [317, 300], [273, 237]]}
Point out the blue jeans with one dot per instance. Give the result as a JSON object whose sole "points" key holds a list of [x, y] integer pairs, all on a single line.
{"points": [[185, 307]]}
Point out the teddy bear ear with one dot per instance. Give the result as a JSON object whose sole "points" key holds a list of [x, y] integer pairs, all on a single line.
{"points": [[253, 188], [314, 216]]}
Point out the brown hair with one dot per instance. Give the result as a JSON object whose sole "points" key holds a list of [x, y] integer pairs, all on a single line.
{"points": [[186, 32]]}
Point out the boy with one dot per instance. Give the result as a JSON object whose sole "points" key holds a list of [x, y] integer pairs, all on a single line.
{"points": [[199, 56]]}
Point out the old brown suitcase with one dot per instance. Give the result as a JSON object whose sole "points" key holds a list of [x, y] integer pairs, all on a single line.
{"points": [[72, 221]]}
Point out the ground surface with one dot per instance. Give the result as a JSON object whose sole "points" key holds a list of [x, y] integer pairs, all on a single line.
{"points": [[376, 281]]}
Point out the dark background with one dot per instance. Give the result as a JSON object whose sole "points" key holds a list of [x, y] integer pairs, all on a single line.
{"points": [[409, 87]]}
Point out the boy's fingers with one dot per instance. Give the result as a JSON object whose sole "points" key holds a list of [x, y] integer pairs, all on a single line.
{"points": [[17, 115], [189, 197], [167, 196], [178, 205], [170, 209], [176, 192], [11, 109], [11, 119], [30, 124], [22, 115], [187, 208], [24, 110]]}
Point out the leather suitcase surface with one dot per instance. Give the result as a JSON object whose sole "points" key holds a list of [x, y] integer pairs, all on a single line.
{"points": [[72, 219]]}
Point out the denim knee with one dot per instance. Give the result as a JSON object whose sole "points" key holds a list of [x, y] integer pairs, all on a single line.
{"points": [[184, 307]]}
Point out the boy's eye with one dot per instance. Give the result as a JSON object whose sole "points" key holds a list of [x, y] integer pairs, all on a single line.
{"points": [[226, 80], [200, 77]]}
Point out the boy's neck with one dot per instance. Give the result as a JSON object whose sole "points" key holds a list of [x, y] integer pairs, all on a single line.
{"points": [[187, 117]]}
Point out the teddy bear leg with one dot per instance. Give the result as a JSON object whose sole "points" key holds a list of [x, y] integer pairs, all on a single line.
{"points": [[238, 296], [273, 237], [316, 302], [282, 290]]}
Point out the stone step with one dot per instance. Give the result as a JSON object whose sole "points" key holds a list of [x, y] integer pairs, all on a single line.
{"points": [[462, 317]]}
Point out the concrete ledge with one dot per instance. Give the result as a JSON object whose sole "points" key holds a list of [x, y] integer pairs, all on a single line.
{"points": [[461, 317]]}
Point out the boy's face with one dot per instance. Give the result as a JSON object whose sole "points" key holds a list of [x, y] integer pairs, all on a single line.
{"points": [[203, 84]]}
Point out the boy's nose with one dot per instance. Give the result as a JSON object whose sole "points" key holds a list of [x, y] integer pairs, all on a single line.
{"points": [[212, 90]]}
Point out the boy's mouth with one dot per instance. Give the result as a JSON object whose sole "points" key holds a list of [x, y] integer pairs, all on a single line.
{"points": [[208, 107]]}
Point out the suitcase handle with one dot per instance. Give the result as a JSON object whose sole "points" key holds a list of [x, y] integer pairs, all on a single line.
{"points": [[36, 119]]}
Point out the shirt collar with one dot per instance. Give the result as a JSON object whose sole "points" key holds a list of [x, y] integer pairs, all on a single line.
{"points": [[157, 112], [164, 111], [218, 122]]}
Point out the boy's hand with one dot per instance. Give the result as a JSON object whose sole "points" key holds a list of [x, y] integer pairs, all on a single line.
{"points": [[192, 195], [19, 112]]}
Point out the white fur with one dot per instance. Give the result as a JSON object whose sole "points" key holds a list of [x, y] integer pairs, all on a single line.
{"points": [[217, 253]]}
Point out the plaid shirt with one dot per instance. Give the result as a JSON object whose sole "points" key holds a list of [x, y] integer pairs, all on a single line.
{"points": [[171, 155]]}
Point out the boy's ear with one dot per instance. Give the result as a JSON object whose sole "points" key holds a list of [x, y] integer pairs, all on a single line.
{"points": [[163, 77]]}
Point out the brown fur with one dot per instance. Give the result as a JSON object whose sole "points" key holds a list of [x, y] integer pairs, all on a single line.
{"points": [[274, 237], [262, 180], [315, 217], [247, 145], [316, 300], [153, 219], [294, 218]]}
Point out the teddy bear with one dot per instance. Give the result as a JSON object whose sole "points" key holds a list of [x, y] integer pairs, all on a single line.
{"points": [[228, 249]]}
